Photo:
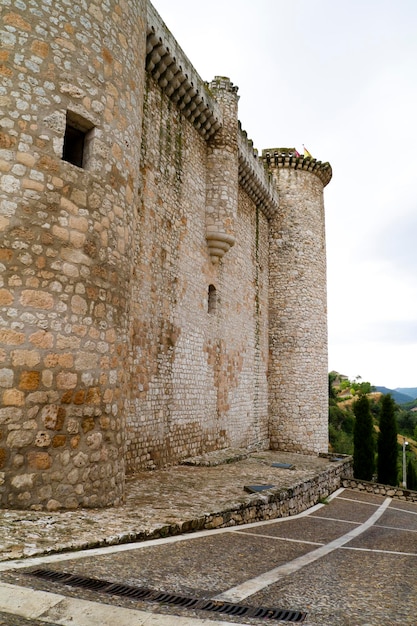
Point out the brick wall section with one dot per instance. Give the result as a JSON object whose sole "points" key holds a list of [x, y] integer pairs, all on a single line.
{"points": [[298, 389], [66, 237]]}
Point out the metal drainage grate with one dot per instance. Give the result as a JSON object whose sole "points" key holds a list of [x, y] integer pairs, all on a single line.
{"points": [[151, 595]]}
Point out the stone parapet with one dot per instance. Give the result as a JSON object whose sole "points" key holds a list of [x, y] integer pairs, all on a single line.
{"points": [[176, 76], [253, 179], [381, 490]]}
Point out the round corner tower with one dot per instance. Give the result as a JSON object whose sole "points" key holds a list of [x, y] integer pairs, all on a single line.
{"points": [[73, 88], [298, 376]]}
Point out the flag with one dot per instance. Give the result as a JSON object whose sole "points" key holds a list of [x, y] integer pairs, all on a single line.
{"points": [[306, 152], [297, 154]]}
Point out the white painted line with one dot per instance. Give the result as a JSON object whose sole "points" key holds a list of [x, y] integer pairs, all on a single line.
{"points": [[335, 519], [360, 502], [53, 608], [394, 508], [380, 551], [311, 543], [142, 545], [405, 530], [248, 588]]}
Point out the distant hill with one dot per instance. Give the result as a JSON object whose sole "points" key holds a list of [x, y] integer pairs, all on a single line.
{"points": [[401, 395], [409, 391], [343, 387]]}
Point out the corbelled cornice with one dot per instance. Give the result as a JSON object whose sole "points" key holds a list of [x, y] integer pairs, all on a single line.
{"points": [[253, 178], [289, 158], [176, 76]]}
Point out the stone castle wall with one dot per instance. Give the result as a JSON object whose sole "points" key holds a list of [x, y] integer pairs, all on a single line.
{"points": [[143, 289], [193, 375]]}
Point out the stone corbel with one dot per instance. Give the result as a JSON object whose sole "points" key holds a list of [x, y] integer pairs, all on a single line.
{"points": [[218, 244]]}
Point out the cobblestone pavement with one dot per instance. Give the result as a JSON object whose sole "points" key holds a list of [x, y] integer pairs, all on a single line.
{"points": [[158, 503], [351, 562]]}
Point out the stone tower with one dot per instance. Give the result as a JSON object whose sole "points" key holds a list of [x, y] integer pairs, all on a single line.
{"points": [[297, 376], [73, 101]]}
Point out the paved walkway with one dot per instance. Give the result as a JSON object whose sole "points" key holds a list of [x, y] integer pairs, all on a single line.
{"points": [[159, 503], [350, 562]]}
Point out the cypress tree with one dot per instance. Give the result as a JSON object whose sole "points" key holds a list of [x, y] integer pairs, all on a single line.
{"points": [[387, 443], [411, 475], [363, 441]]}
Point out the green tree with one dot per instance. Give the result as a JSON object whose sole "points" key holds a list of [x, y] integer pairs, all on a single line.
{"points": [[387, 442], [406, 421], [363, 440], [411, 475], [332, 391]]}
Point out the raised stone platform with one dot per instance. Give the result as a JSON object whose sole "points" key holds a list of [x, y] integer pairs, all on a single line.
{"points": [[209, 494]]}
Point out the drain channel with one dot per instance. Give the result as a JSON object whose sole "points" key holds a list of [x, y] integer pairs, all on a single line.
{"points": [[152, 595]]}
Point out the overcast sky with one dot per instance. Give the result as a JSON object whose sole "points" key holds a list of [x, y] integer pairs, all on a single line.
{"points": [[339, 76]]}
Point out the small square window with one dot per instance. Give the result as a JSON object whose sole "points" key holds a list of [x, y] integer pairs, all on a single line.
{"points": [[77, 132]]}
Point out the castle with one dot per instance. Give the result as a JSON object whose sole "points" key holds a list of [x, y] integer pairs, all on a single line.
{"points": [[162, 286]]}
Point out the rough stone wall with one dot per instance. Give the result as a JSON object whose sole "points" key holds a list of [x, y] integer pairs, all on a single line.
{"points": [[66, 237], [298, 391], [194, 387]]}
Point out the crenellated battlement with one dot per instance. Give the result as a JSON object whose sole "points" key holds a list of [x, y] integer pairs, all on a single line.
{"points": [[289, 158], [223, 82], [176, 76], [253, 178]]}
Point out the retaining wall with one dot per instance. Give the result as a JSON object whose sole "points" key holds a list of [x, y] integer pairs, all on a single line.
{"points": [[283, 502], [381, 490]]}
